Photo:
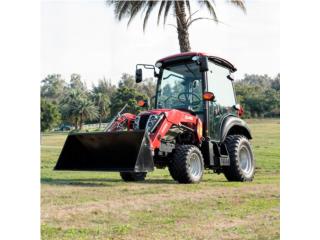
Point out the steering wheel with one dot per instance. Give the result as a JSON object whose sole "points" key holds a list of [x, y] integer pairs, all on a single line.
{"points": [[186, 100], [166, 100]]}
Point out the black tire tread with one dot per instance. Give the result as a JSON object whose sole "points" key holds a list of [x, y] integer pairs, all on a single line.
{"points": [[133, 176], [234, 172], [178, 165]]}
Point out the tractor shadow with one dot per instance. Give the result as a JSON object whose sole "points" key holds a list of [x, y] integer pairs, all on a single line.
{"points": [[85, 182], [99, 182]]}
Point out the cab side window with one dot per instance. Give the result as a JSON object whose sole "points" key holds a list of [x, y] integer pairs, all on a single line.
{"points": [[220, 85]]}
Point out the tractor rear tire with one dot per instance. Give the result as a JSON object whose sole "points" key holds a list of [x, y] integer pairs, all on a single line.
{"points": [[242, 162], [133, 176], [186, 164]]}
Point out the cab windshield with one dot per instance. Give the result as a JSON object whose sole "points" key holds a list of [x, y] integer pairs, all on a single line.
{"points": [[180, 87]]}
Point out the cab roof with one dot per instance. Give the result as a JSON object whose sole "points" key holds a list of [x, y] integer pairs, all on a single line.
{"points": [[185, 55]]}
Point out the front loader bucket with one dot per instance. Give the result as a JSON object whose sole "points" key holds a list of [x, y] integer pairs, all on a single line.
{"points": [[127, 151]]}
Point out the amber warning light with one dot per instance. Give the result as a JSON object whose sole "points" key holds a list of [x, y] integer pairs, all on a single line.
{"points": [[141, 103], [208, 96]]}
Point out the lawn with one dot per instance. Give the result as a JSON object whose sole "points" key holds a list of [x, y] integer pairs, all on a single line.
{"points": [[90, 205]]}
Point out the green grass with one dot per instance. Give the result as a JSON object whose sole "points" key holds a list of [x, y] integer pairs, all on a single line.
{"points": [[91, 205]]}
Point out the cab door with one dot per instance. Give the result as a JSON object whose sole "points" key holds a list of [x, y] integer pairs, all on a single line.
{"points": [[224, 102]]}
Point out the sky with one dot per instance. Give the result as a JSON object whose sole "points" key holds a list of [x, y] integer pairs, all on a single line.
{"points": [[82, 36]]}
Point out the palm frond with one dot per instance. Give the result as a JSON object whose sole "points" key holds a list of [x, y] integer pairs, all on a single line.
{"points": [[240, 4], [190, 17], [150, 6], [204, 18], [210, 8], [135, 8], [163, 3], [121, 9], [166, 11]]}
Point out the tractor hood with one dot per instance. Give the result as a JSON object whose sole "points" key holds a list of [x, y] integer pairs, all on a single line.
{"points": [[163, 119], [155, 116], [166, 111]]}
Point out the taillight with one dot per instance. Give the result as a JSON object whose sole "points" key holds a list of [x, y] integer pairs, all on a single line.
{"points": [[239, 109]]}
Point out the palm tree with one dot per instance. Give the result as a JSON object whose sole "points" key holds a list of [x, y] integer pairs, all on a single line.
{"points": [[70, 100], [102, 102], [85, 109], [77, 108], [184, 20]]}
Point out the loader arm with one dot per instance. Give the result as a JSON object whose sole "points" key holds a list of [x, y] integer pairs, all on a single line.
{"points": [[175, 118]]}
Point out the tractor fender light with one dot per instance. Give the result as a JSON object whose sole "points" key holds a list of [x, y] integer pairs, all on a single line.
{"points": [[239, 109]]}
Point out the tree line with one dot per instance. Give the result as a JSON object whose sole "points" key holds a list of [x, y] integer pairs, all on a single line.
{"points": [[259, 95], [72, 102]]}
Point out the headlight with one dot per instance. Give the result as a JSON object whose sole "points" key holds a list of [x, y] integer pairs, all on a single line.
{"points": [[136, 123], [153, 122]]}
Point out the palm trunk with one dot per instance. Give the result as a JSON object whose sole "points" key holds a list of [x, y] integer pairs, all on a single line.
{"points": [[81, 121], [76, 123], [100, 121], [183, 34]]}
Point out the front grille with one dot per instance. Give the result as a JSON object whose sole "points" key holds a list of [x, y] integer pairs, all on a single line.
{"points": [[143, 121]]}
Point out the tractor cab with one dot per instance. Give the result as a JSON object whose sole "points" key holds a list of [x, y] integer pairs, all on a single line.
{"points": [[197, 83], [180, 87]]}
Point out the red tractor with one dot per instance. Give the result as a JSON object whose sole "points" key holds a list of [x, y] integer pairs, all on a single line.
{"points": [[195, 125]]}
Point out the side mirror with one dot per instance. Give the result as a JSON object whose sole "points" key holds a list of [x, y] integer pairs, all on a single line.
{"points": [[138, 75], [208, 96], [204, 65]]}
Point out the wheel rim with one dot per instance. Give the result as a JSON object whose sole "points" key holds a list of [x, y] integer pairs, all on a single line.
{"points": [[195, 167], [245, 160]]}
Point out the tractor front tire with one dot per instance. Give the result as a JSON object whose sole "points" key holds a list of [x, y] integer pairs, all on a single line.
{"points": [[133, 176], [186, 164], [242, 162]]}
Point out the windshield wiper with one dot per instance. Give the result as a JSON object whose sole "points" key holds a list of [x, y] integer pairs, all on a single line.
{"points": [[177, 76]]}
